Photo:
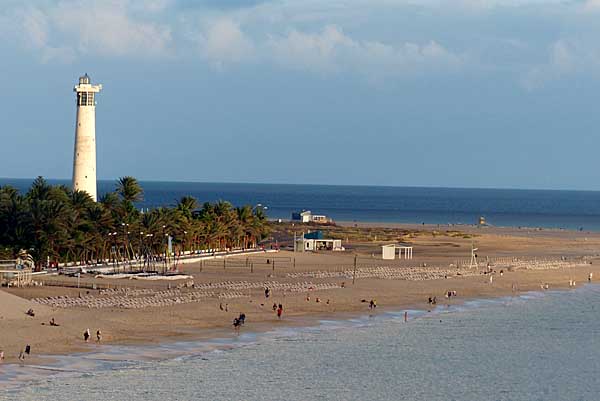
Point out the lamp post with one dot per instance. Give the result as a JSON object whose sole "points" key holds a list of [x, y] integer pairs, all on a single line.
{"points": [[151, 255], [184, 241], [114, 235], [112, 240], [141, 246], [125, 238]]}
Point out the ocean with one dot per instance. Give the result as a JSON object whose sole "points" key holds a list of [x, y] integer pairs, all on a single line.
{"points": [[576, 210], [536, 346]]}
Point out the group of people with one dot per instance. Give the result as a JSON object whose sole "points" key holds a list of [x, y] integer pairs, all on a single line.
{"points": [[372, 304], [278, 309], [239, 321], [87, 335]]}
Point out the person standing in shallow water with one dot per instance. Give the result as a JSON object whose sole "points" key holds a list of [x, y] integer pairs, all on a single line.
{"points": [[279, 311]]}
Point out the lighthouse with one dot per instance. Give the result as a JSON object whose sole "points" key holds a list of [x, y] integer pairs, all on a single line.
{"points": [[84, 157]]}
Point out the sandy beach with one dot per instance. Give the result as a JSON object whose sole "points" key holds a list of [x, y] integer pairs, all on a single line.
{"points": [[145, 312]]}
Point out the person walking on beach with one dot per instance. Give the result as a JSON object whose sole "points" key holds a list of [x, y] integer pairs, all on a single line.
{"points": [[236, 324], [86, 335], [98, 335], [267, 292], [1, 356], [590, 277], [279, 311]]}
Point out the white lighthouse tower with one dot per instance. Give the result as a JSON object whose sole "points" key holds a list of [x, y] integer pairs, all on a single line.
{"points": [[84, 157]]}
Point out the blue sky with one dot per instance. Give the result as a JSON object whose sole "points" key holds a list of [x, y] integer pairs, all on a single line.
{"points": [[467, 93]]}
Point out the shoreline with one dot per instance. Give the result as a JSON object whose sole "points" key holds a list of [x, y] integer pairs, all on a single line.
{"points": [[211, 339], [136, 315]]}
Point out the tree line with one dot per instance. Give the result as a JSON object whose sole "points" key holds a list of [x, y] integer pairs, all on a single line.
{"points": [[56, 224]]}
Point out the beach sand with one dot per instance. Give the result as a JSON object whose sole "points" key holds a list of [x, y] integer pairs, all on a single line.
{"points": [[205, 319]]}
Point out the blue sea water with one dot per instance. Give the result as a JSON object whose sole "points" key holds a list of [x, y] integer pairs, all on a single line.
{"points": [[500, 207], [538, 346]]}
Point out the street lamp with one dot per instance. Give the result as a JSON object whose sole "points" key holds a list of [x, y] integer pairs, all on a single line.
{"points": [[184, 238]]}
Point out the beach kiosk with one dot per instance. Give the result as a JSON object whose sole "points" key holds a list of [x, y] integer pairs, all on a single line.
{"points": [[388, 252], [314, 242]]}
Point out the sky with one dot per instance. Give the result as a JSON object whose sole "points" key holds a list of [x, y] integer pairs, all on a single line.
{"points": [[452, 93]]}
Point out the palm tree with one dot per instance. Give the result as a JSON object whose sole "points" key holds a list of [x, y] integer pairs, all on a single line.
{"points": [[187, 205], [56, 223], [129, 189]]}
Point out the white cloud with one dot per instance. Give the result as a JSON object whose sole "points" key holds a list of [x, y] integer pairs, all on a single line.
{"points": [[332, 50], [318, 52], [66, 30], [107, 28], [591, 5], [319, 37], [565, 58], [224, 42]]}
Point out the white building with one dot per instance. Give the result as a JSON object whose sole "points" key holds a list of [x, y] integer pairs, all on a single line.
{"points": [[84, 157], [306, 216], [389, 251], [314, 245]]}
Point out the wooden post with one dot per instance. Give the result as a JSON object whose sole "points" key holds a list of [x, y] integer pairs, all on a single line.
{"points": [[294, 263], [354, 274], [252, 267], [273, 264]]}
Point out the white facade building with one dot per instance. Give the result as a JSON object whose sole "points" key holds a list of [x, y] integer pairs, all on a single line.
{"points": [[389, 251], [306, 216], [315, 245], [84, 157]]}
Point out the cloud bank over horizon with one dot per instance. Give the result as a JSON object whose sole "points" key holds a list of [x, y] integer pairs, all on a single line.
{"points": [[320, 37]]}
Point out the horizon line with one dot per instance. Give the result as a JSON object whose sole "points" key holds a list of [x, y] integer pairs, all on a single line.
{"points": [[322, 185]]}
